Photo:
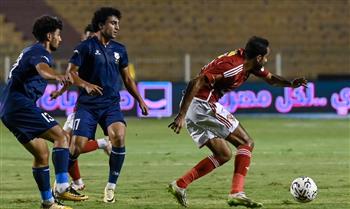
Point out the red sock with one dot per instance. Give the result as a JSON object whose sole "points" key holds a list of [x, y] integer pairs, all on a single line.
{"points": [[242, 162], [90, 146], [74, 171], [202, 168]]}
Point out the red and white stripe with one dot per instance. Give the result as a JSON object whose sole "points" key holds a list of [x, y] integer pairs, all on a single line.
{"points": [[244, 152], [233, 71], [214, 161], [220, 118]]}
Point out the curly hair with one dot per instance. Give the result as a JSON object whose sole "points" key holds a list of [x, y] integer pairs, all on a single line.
{"points": [[44, 25], [101, 15], [256, 46]]}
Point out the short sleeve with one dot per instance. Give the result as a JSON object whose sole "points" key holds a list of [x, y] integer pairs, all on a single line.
{"points": [[216, 70], [124, 62], [261, 73], [41, 57], [79, 54]]}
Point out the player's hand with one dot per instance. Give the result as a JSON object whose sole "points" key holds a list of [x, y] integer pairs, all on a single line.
{"points": [[299, 82], [143, 108], [93, 89], [178, 123], [55, 94], [63, 79]]}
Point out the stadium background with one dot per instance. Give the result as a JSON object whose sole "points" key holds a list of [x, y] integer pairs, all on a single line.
{"points": [[168, 42], [171, 40]]}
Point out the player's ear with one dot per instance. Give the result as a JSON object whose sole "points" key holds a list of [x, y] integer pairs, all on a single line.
{"points": [[49, 36], [259, 58], [100, 26]]}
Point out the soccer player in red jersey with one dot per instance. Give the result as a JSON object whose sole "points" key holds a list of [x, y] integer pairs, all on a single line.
{"points": [[211, 125]]}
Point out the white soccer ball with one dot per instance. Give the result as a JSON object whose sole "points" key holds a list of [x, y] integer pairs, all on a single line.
{"points": [[303, 189]]}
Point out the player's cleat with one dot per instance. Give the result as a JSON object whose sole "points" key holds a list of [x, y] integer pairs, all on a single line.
{"points": [[240, 198], [108, 195], [79, 187], [54, 206], [178, 193], [70, 194]]}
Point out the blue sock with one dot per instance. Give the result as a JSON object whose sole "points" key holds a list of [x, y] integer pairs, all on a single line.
{"points": [[42, 178], [60, 157], [116, 160]]}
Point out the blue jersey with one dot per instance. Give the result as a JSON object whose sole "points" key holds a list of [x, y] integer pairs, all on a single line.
{"points": [[25, 85], [100, 65]]}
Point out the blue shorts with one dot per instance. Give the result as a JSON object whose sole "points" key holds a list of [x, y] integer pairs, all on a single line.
{"points": [[86, 120], [28, 123]]}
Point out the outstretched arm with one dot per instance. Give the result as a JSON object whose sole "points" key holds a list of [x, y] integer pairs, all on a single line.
{"points": [[131, 87], [72, 72], [276, 80], [49, 74], [191, 90]]}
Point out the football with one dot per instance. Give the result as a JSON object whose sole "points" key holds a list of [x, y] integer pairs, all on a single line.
{"points": [[303, 189]]}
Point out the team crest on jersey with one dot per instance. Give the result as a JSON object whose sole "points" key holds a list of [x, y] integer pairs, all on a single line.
{"points": [[97, 52], [117, 57]]}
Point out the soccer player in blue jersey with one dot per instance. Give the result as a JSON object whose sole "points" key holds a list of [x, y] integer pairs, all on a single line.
{"points": [[103, 63], [31, 125]]}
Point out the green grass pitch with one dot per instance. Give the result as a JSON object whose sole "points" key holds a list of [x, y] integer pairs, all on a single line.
{"points": [[284, 150]]}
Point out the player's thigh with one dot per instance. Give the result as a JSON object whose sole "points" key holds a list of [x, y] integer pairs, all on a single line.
{"points": [[28, 123], [240, 137], [220, 148], [113, 124], [57, 135], [85, 123], [40, 151]]}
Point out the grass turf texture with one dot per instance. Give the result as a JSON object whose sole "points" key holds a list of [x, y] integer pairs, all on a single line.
{"points": [[284, 150]]}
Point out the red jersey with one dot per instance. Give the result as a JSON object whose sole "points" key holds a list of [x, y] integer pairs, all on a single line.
{"points": [[230, 66]]}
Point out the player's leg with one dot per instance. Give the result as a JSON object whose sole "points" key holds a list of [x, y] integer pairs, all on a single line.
{"points": [[60, 159], [244, 144], [41, 172], [116, 133], [74, 171], [221, 154], [84, 127]]}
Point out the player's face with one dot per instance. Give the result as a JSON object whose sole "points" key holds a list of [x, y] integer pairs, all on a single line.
{"points": [[55, 39], [111, 27]]}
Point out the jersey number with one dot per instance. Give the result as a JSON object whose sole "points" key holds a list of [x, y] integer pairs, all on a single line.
{"points": [[47, 117], [76, 124]]}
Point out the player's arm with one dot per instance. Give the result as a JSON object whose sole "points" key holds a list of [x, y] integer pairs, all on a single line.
{"points": [[192, 88], [131, 87], [276, 80], [49, 74], [58, 93], [72, 73]]}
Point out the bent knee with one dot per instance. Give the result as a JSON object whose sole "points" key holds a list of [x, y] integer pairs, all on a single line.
{"points": [[224, 157], [42, 159]]}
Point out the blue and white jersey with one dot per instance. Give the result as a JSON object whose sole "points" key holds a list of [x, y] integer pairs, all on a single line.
{"points": [[25, 85], [100, 65]]}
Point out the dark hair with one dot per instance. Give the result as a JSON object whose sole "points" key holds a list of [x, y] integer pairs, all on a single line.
{"points": [[101, 16], [44, 25], [256, 46], [88, 28]]}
